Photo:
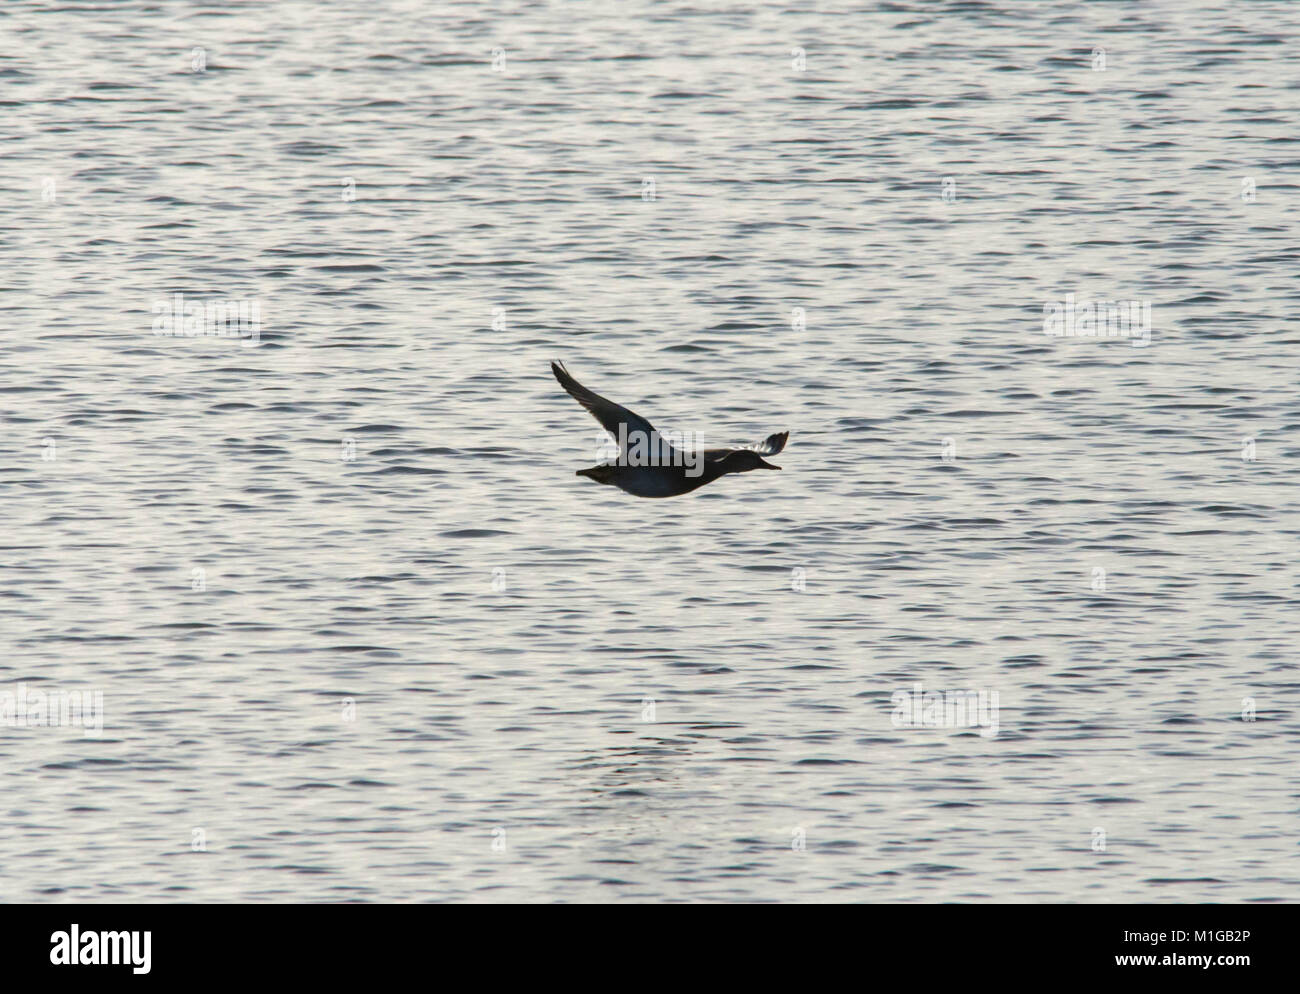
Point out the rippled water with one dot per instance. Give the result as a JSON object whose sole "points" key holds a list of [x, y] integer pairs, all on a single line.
{"points": [[447, 668]]}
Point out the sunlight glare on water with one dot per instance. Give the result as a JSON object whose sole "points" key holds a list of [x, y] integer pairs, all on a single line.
{"points": [[362, 635]]}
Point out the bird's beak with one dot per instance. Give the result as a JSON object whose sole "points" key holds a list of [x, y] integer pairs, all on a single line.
{"points": [[767, 465]]}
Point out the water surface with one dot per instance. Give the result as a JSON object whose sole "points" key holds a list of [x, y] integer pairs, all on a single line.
{"points": [[428, 671]]}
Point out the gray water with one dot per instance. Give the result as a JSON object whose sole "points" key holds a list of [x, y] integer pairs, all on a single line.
{"points": [[360, 632]]}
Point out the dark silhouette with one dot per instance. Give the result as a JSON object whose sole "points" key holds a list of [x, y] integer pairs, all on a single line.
{"points": [[648, 466]]}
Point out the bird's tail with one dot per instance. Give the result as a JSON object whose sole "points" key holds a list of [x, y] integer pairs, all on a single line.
{"points": [[601, 474]]}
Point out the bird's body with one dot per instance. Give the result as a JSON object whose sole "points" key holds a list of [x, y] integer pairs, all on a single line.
{"points": [[648, 466]]}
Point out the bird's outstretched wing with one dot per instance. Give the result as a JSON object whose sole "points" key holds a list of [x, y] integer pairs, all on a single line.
{"points": [[609, 414], [771, 445]]}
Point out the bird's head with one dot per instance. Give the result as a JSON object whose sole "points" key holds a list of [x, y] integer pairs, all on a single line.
{"points": [[743, 460]]}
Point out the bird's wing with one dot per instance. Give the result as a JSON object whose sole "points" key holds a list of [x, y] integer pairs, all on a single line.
{"points": [[609, 414], [771, 445]]}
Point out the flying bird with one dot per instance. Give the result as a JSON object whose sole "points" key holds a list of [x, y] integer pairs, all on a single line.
{"points": [[647, 464]]}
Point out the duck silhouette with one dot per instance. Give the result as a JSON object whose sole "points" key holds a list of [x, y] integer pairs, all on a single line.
{"points": [[650, 466]]}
